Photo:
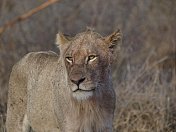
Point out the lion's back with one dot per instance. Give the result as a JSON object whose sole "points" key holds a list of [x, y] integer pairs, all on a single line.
{"points": [[28, 84]]}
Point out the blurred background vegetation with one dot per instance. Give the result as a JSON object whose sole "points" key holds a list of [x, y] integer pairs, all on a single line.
{"points": [[145, 79]]}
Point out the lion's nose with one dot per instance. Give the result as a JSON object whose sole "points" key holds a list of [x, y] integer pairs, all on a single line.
{"points": [[78, 81]]}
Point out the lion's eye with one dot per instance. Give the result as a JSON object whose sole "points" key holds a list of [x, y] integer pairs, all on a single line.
{"points": [[69, 59], [92, 57]]}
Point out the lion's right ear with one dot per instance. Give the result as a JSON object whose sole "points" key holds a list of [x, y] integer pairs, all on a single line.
{"points": [[62, 39]]}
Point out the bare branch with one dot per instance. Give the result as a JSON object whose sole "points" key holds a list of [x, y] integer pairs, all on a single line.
{"points": [[26, 15]]}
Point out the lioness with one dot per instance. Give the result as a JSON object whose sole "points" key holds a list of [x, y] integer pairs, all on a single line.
{"points": [[70, 92]]}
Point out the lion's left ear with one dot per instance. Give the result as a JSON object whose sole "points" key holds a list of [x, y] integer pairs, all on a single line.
{"points": [[114, 40]]}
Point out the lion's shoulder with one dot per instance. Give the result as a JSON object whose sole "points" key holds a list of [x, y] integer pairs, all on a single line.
{"points": [[40, 57], [35, 61]]}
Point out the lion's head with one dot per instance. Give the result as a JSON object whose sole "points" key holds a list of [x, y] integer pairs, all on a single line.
{"points": [[88, 57]]}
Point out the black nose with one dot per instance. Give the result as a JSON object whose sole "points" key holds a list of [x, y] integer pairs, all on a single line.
{"points": [[78, 81]]}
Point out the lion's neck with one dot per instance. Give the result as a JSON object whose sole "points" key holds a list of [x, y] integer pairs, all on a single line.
{"points": [[88, 116]]}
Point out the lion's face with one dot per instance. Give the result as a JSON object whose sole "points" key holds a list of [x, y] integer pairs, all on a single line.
{"points": [[87, 58]]}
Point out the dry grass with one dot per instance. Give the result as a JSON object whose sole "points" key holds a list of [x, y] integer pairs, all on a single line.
{"points": [[146, 101]]}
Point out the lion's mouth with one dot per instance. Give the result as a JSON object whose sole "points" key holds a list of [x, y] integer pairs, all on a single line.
{"points": [[83, 90], [83, 94]]}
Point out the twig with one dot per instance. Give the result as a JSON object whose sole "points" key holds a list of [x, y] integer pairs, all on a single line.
{"points": [[26, 15]]}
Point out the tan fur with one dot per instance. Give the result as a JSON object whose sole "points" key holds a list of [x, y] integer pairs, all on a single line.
{"points": [[44, 95]]}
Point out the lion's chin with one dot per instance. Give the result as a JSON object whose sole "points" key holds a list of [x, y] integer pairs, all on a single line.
{"points": [[81, 95]]}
